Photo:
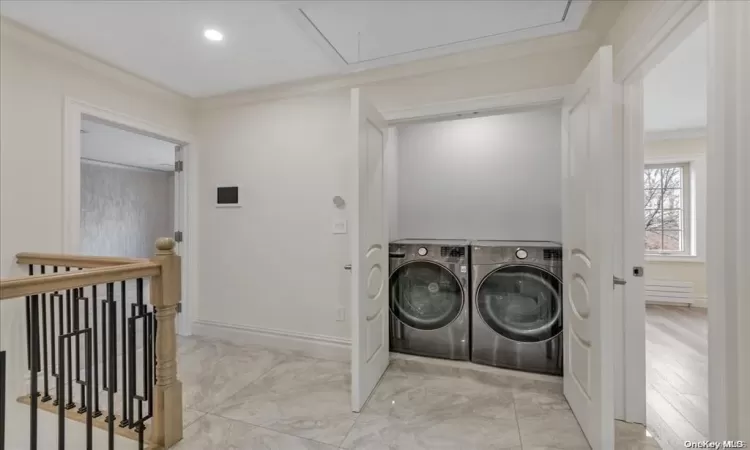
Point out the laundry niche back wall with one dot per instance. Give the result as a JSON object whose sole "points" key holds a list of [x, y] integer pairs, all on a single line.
{"points": [[494, 177]]}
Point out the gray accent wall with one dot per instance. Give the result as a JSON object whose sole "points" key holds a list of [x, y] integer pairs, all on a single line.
{"points": [[494, 177], [124, 210]]}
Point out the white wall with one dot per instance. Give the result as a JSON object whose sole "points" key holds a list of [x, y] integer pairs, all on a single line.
{"points": [[495, 177], [274, 263], [390, 174]]}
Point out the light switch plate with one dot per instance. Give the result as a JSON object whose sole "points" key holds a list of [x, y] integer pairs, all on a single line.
{"points": [[339, 227]]}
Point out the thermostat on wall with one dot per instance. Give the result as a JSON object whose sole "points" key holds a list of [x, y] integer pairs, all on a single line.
{"points": [[228, 196]]}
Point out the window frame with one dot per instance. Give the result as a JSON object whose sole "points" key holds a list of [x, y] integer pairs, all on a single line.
{"points": [[687, 199]]}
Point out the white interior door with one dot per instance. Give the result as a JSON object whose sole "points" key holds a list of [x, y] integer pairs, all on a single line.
{"points": [[369, 253], [588, 248]]}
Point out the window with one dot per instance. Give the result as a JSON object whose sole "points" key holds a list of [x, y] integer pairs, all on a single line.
{"points": [[667, 208]]}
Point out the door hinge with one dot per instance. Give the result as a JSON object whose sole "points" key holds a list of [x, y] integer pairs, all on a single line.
{"points": [[179, 307], [179, 166], [178, 236]]}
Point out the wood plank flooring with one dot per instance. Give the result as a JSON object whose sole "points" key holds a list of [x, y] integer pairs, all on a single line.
{"points": [[677, 374]]}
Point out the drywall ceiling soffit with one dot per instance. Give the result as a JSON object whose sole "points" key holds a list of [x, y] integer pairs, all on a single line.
{"points": [[108, 144], [574, 41], [264, 44]]}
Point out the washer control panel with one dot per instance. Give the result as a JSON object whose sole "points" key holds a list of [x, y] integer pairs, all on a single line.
{"points": [[422, 251], [521, 254]]}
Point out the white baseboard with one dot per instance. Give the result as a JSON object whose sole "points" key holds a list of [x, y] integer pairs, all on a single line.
{"points": [[313, 345]]}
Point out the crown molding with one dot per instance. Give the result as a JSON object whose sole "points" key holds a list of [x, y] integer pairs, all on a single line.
{"points": [[679, 133], [312, 86], [20, 34]]}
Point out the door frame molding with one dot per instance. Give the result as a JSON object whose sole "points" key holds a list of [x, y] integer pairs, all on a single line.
{"points": [[73, 112], [676, 20], [488, 105], [667, 28]]}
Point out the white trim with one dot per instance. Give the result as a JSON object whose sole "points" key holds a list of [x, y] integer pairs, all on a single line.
{"points": [[682, 133], [489, 104], [73, 112], [728, 244], [313, 345], [96, 162], [295, 11], [674, 258], [631, 392]]}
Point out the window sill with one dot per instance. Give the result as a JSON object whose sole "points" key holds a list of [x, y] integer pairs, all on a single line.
{"points": [[675, 258]]}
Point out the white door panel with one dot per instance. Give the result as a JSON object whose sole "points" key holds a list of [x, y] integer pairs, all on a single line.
{"points": [[588, 250], [370, 354]]}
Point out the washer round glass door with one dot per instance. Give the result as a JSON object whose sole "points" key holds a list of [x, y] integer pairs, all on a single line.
{"points": [[425, 295], [522, 303]]}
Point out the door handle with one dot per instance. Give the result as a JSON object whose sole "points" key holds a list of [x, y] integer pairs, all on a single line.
{"points": [[348, 267], [618, 280]]}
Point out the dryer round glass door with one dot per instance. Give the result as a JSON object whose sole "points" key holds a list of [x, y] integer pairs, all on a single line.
{"points": [[522, 303], [425, 295]]}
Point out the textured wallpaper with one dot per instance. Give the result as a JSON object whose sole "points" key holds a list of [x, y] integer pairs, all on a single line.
{"points": [[124, 211]]}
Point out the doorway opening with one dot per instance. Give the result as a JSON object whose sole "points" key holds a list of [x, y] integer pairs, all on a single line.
{"points": [[127, 191], [105, 211], [674, 209]]}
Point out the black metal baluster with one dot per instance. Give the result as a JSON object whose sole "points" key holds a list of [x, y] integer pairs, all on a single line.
{"points": [[112, 364], [69, 322], [105, 347], [77, 327], [34, 370], [28, 324], [2, 400], [58, 375], [85, 399], [141, 427], [124, 325], [150, 364], [61, 390], [95, 333], [46, 396], [89, 385]]}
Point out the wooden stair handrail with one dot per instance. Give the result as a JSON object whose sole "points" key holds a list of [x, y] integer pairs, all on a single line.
{"points": [[40, 284], [84, 261]]}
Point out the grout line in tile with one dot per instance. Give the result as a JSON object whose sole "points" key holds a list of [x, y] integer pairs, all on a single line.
{"points": [[515, 414]]}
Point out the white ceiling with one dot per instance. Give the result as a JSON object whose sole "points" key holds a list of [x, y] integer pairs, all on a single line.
{"points": [[273, 42], [674, 92], [104, 143]]}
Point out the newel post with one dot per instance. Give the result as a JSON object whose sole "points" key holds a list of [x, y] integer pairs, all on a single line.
{"points": [[165, 295]]}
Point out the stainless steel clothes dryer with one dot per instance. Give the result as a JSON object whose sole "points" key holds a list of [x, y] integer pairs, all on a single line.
{"points": [[429, 298], [517, 305]]}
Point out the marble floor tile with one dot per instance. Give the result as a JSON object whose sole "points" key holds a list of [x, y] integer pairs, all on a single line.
{"points": [[417, 410], [546, 421], [215, 371], [218, 433], [301, 396]]}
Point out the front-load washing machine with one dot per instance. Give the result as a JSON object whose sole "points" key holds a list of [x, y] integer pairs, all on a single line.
{"points": [[429, 298], [517, 318]]}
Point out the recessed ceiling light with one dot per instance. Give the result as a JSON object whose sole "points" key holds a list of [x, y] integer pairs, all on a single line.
{"points": [[213, 35]]}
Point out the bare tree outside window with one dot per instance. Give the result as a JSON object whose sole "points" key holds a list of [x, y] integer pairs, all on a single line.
{"points": [[665, 208]]}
